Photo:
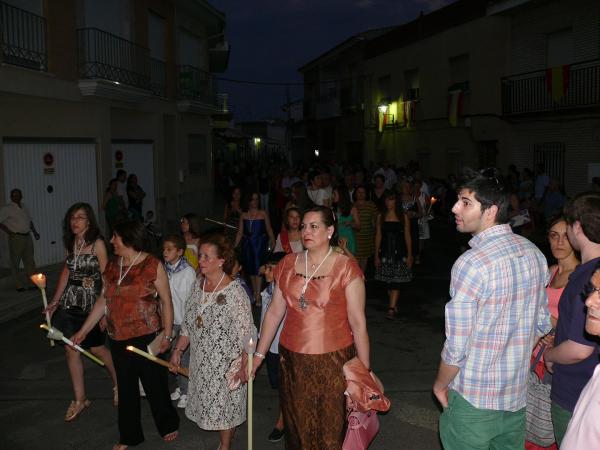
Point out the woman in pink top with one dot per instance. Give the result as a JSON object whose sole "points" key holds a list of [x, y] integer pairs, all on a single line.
{"points": [[566, 262], [321, 293]]}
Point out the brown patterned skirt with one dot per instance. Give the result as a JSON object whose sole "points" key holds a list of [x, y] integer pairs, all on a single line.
{"points": [[312, 398]]}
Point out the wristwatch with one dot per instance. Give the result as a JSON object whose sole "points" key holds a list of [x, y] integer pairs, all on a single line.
{"points": [[169, 338]]}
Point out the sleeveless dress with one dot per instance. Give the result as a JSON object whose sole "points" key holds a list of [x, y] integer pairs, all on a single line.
{"points": [[83, 288], [345, 231], [254, 245], [393, 269]]}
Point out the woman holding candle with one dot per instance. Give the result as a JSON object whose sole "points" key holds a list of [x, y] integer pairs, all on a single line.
{"points": [[135, 316], [322, 295], [78, 288], [216, 320]]}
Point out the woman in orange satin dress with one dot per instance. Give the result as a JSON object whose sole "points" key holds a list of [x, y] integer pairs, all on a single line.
{"points": [[322, 295]]}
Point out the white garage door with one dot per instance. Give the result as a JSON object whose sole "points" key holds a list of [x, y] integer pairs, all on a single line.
{"points": [[48, 195], [137, 158]]}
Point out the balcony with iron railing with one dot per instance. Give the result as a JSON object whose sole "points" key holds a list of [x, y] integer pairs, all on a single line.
{"points": [[23, 38], [158, 77], [105, 56], [197, 90], [531, 92]]}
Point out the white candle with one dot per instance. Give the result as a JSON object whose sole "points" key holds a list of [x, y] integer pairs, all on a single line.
{"points": [[182, 370], [249, 347], [250, 389], [39, 279], [54, 333]]}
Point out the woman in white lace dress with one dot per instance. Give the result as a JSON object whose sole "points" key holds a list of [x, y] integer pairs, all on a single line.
{"points": [[217, 318]]}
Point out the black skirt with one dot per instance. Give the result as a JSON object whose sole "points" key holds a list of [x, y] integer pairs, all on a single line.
{"points": [[70, 320]]}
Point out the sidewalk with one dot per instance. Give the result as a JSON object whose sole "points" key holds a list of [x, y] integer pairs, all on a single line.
{"points": [[14, 304]]}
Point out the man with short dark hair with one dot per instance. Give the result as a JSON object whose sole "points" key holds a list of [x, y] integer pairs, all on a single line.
{"points": [[575, 353], [497, 311], [15, 221]]}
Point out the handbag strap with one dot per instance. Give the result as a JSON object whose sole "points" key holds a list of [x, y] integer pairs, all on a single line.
{"points": [[537, 358]]}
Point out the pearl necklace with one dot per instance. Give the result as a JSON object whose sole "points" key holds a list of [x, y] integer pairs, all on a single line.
{"points": [[123, 275], [302, 302], [207, 298], [77, 254]]}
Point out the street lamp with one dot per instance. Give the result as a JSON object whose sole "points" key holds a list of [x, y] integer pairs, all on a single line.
{"points": [[382, 108], [317, 152], [256, 141]]}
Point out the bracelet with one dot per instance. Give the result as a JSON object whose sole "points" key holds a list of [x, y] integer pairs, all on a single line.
{"points": [[169, 338], [260, 355]]}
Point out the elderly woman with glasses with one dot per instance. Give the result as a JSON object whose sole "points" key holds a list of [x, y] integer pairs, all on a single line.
{"points": [[216, 322]]}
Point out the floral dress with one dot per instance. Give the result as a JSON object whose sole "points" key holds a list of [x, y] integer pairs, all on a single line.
{"points": [[216, 324]]}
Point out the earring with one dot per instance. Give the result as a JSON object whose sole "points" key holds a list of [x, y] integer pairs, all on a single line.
{"points": [[220, 265], [328, 236]]}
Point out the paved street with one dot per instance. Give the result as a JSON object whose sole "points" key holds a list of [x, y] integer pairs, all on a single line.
{"points": [[35, 388]]}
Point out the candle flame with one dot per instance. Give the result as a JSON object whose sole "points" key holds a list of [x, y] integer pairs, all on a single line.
{"points": [[39, 279], [129, 347]]}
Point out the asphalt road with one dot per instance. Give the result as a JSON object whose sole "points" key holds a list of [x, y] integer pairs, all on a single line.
{"points": [[35, 388]]}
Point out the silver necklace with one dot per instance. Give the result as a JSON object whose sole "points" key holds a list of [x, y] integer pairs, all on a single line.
{"points": [[207, 299], [77, 254], [302, 302], [251, 220], [123, 275]]}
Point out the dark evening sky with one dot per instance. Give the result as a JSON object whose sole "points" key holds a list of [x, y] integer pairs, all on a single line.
{"points": [[271, 39]]}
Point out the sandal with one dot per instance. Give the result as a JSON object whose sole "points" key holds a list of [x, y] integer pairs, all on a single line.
{"points": [[115, 396], [171, 436], [391, 314], [119, 446], [75, 409]]}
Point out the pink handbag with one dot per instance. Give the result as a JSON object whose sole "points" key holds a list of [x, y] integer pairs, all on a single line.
{"points": [[362, 429], [365, 397]]}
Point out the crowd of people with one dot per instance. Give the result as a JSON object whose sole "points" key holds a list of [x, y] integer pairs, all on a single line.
{"points": [[300, 244]]}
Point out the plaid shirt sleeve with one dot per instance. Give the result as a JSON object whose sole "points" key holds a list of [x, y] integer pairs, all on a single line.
{"points": [[466, 288], [544, 325]]}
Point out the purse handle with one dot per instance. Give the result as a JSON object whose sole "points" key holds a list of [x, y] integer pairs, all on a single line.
{"points": [[539, 354]]}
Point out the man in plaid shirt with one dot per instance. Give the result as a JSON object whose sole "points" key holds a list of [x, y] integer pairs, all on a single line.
{"points": [[497, 311]]}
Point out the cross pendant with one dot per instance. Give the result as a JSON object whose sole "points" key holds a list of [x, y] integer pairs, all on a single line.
{"points": [[302, 302]]}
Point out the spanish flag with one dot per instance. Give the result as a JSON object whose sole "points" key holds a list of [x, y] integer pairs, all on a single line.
{"points": [[557, 82], [454, 106]]}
